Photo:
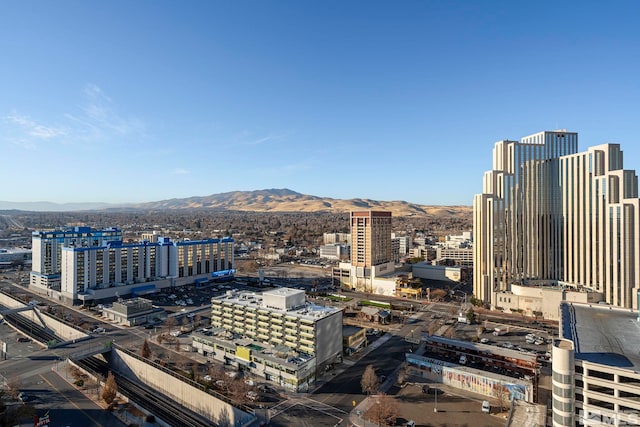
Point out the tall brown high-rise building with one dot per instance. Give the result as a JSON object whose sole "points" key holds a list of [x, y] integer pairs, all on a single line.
{"points": [[370, 238]]}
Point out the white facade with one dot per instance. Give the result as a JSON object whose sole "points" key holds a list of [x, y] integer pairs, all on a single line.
{"points": [[10, 255], [47, 251], [334, 251], [461, 256], [424, 270], [550, 213], [116, 269], [331, 238], [542, 301], [277, 319], [404, 244]]}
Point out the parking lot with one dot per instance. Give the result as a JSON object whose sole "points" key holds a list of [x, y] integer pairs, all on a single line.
{"points": [[452, 409], [525, 339]]}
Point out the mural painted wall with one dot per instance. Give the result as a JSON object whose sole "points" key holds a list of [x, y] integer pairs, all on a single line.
{"points": [[473, 380]]}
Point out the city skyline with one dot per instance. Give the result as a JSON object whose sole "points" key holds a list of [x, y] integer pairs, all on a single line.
{"points": [[127, 103]]}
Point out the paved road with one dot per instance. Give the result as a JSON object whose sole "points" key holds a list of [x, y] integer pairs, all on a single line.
{"points": [[30, 368]]}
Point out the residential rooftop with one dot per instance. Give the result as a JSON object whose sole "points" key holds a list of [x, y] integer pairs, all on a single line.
{"points": [[253, 300], [602, 334]]}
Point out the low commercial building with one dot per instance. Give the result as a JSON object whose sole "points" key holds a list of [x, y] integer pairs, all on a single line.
{"points": [[462, 257], [135, 311], [425, 270], [334, 251], [500, 387], [18, 255], [596, 366], [543, 300], [489, 370], [354, 339]]}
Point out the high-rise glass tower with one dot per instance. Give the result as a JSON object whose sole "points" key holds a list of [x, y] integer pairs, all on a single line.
{"points": [[550, 215]]}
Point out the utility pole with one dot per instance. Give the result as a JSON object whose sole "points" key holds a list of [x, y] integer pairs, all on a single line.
{"points": [[435, 407]]}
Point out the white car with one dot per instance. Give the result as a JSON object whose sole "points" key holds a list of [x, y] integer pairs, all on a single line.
{"points": [[99, 331], [207, 378], [484, 340]]}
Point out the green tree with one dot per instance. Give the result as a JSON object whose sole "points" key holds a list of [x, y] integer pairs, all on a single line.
{"points": [[471, 316]]}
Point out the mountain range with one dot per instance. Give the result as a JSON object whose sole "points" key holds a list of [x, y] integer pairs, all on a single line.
{"points": [[271, 200]]}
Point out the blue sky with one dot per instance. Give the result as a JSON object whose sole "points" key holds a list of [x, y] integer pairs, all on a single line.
{"points": [[121, 101]]}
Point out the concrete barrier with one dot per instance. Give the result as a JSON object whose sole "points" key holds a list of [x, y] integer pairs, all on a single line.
{"points": [[220, 412]]}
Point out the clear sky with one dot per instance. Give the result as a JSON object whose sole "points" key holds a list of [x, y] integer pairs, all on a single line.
{"points": [[132, 101]]}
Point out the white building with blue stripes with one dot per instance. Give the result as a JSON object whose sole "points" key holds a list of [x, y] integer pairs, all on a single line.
{"points": [[107, 268]]}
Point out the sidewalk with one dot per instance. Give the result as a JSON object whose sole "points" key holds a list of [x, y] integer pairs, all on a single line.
{"points": [[356, 416]]}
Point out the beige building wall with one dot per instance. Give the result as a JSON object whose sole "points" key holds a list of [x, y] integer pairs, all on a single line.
{"points": [[550, 213], [542, 299]]}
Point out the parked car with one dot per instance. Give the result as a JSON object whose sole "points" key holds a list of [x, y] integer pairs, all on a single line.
{"points": [[99, 331], [486, 407]]}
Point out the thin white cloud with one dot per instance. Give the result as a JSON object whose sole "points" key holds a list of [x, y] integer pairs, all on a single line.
{"points": [[34, 129], [180, 171], [101, 115], [97, 120]]}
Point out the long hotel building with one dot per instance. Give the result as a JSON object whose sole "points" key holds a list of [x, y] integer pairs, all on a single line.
{"points": [[551, 215], [101, 268]]}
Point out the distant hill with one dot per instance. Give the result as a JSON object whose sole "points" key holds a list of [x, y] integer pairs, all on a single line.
{"points": [[272, 200], [285, 200], [53, 207]]}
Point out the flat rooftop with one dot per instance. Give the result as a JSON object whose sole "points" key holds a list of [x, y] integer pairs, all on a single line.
{"points": [[254, 300], [602, 334]]}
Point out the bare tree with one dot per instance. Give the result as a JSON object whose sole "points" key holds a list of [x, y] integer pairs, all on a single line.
{"points": [[146, 350], [370, 382], [433, 327], [384, 410], [450, 333], [238, 390], [110, 389], [170, 323]]}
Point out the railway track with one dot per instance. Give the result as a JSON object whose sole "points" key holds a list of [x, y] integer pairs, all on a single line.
{"points": [[155, 403]]}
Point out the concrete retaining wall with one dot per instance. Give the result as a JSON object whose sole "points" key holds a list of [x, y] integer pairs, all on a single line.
{"points": [[218, 411], [59, 328]]}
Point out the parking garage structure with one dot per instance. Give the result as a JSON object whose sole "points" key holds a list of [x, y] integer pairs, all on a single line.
{"points": [[480, 368]]}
